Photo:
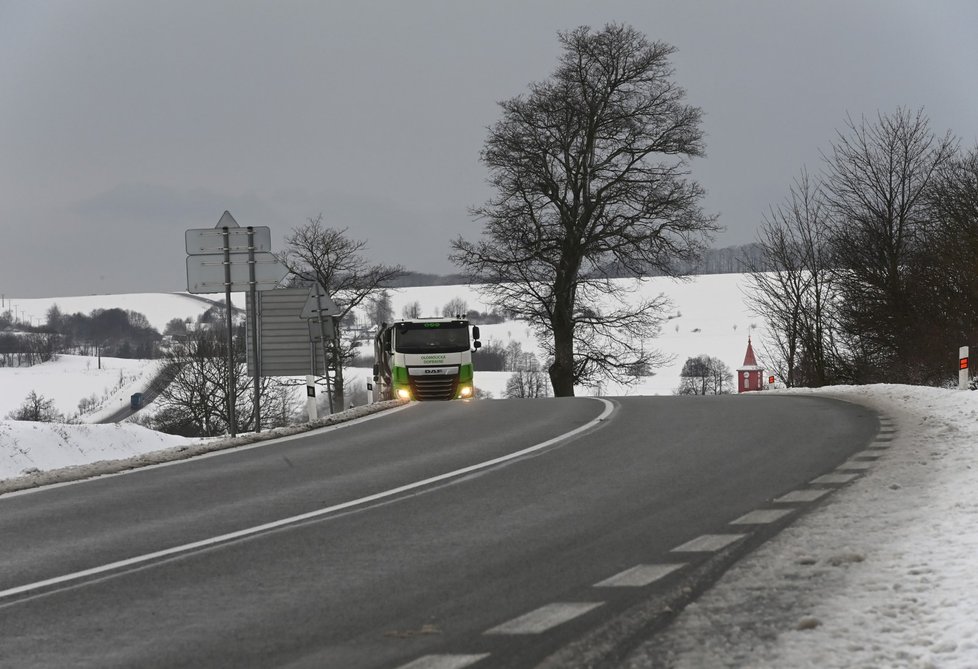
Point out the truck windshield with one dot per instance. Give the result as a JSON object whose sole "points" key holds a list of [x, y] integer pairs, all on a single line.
{"points": [[432, 337]]}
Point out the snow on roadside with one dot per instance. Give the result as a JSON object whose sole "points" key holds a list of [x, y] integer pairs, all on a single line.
{"points": [[884, 574], [27, 448], [62, 453]]}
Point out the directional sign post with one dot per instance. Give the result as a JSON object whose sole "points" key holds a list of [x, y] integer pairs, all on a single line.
{"points": [[228, 258], [964, 367]]}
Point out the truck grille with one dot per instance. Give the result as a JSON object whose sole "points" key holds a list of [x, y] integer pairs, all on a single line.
{"points": [[435, 387]]}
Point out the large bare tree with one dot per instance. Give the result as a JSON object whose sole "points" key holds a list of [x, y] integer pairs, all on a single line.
{"points": [[877, 179], [592, 178], [318, 253]]}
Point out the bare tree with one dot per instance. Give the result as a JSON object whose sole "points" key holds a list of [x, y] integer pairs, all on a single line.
{"points": [[411, 310], [705, 375], [592, 179], [318, 253], [877, 178], [38, 409], [192, 385], [527, 380], [455, 307], [946, 266], [790, 286], [379, 309]]}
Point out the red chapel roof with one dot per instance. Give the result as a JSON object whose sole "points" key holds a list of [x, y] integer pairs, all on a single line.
{"points": [[749, 359]]}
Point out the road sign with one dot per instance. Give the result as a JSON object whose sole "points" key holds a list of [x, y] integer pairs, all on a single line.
{"points": [[227, 221], [205, 274], [286, 342], [964, 366], [207, 241], [319, 304]]}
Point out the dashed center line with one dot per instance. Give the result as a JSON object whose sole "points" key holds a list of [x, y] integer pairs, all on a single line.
{"points": [[444, 661], [708, 543], [835, 478], [550, 616], [639, 576], [808, 495], [870, 455], [856, 465], [762, 517], [545, 618]]}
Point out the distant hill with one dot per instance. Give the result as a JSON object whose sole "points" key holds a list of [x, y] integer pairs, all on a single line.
{"points": [[727, 260]]}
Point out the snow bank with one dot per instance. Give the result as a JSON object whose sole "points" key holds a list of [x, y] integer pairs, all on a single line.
{"points": [[36, 454]]}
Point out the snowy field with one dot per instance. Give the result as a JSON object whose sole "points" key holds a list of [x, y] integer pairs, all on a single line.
{"points": [[883, 574]]}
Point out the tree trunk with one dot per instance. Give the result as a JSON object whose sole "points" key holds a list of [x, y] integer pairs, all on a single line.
{"points": [[562, 369]]}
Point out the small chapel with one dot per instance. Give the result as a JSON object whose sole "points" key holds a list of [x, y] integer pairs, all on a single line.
{"points": [[750, 376]]}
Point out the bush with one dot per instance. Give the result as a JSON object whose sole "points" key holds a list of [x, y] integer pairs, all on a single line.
{"points": [[38, 409]]}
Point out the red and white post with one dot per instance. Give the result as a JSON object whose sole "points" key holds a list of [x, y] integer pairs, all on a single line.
{"points": [[963, 368]]}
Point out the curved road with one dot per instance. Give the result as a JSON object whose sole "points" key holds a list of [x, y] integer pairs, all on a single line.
{"points": [[412, 539]]}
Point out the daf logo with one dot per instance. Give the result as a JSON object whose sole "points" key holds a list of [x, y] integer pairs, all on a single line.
{"points": [[432, 371]]}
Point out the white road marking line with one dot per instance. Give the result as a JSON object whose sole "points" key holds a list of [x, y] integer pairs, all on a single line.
{"points": [[856, 465], [867, 455], [762, 517], [708, 543], [444, 661], [320, 513], [639, 576], [835, 478], [545, 618], [802, 496]]}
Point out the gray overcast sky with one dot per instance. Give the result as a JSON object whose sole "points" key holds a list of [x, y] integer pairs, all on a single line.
{"points": [[124, 123]]}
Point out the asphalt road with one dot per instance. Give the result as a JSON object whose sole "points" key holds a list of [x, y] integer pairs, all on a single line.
{"points": [[405, 540]]}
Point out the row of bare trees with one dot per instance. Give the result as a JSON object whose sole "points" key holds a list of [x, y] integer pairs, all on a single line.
{"points": [[868, 268]]}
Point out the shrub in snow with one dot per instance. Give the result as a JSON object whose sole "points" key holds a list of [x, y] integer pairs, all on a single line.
{"points": [[38, 409]]}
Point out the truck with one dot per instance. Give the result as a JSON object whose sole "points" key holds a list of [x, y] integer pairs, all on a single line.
{"points": [[425, 359]]}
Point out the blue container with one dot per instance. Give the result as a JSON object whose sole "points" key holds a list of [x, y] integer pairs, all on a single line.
{"points": [[136, 400]]}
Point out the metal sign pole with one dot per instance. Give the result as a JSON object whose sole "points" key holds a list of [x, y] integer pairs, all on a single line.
{"points": [[232, 400], [254, 325]]}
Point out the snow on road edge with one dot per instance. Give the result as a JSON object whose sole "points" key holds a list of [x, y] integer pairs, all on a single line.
{"points": [[69, 444]]}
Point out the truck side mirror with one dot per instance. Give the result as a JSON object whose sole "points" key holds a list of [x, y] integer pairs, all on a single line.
{"points": [[477, 344], [475, 332]]}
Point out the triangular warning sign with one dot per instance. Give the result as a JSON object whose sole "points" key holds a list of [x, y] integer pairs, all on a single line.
{"points": [[319, 304], [227, 221]]}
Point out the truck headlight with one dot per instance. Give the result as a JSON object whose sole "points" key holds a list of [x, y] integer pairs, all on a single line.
{"points": [[465, 391], [403, 394]]}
